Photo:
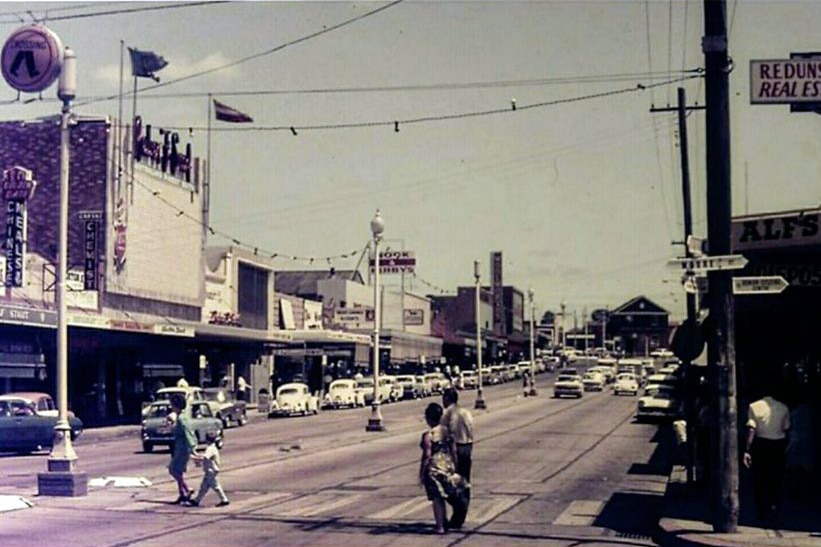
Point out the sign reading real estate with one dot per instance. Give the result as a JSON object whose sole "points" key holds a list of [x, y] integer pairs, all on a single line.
{"points": [[785, 81], [355, 318]]}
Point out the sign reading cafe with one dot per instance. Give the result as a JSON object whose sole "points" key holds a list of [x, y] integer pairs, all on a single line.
{"points": [[18, 187]]}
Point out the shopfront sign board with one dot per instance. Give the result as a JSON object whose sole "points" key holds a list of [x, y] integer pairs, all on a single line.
{"points": [[773, 284]]}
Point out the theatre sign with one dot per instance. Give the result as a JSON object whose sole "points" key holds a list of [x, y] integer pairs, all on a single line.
{"points": [[786, 81]]}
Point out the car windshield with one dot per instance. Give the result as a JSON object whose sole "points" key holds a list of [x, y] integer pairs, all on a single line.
{"points": [[340, 387], [626, 378], [404, 379], [159, 411], [567, 378], [289, 391], [364, 383]]}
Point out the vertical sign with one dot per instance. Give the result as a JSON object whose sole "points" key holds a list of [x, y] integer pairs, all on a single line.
{"points": [[15, 243], [498, 293], [90, 255]]}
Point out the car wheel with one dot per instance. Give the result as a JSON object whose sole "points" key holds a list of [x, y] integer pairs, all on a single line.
{"points": [[148, 448], [220, 442]]}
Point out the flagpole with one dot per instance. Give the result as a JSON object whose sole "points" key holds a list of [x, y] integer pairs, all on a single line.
{"points": [[119, 132], [133, 140], [206, 213]]}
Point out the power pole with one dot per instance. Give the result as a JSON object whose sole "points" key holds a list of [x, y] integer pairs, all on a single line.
{"points": [[721, 338]]}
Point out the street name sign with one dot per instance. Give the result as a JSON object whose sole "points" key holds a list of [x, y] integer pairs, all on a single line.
{"points": [[709, 263], [773, 284]]}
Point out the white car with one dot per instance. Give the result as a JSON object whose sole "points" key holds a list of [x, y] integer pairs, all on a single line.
{"points": [[469, 379], [294, 398], [365, 387], [662, 403], [568, 384], [412, 388], [343, 393], [437, 382], [397, 392], [593, 381], [626, 383]]}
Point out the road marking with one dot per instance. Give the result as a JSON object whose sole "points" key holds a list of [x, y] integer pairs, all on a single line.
{"points": [[482, 509], [403, 509], [312, 505], [580, 513]]}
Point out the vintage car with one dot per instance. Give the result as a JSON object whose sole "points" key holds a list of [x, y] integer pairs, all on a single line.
{"points": [[191, 393], [397, 392], [437, 382], [27, 421], [343, 393], [158, 424], [468, 379], [294, 398], [662, 403], [626, 383], [229, 409], [365, 387], [413, 386], [568, 384], [593, 381]]}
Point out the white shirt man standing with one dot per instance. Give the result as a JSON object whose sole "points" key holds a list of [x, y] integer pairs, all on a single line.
{"points": [[768, 421]]}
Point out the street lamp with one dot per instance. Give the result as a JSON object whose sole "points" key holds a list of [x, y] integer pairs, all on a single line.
{"points": [[480, 400], [532, 391], [564, 328], [375, 421], [62, 479]]}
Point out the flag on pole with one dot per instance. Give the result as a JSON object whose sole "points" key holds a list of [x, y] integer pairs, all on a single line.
{"points": [[227, 114], [145, 63]]}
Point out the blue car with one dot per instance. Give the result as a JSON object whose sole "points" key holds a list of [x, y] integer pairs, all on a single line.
{"points": [[27, 421]]}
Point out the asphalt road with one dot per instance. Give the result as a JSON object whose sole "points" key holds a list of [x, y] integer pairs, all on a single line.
{"points": [[546, 472]]}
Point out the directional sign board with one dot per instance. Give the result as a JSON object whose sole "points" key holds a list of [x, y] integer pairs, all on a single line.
{"points": [[32, 58], [773, 284], [709, 263]]}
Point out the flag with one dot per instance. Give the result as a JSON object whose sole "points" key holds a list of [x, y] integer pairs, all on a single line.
{"points": [[227, 114], [145, 63]]}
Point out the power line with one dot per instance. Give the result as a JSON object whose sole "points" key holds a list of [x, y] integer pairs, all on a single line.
{"points": [[280, 47], [47, 17], [397, 123]]}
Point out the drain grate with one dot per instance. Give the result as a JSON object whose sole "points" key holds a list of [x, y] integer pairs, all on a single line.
{"points": [[355, 488], [632, 535]]}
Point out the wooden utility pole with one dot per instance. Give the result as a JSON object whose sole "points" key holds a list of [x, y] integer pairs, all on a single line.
{"points": [[721, 336]]}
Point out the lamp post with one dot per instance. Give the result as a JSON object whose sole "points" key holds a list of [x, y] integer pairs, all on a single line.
{"points": [[375, 421], [564, 328], [62, 479], [480, 400], [532, 391]]}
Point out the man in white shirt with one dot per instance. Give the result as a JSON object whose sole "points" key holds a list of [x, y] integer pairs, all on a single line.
{"points": [[767, 423], [457, 427]]}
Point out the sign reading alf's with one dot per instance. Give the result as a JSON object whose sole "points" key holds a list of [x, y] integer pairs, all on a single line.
{"points": [[784, 81], [787, 230]]}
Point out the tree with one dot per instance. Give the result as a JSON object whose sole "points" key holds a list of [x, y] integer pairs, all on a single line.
{"points": [[599, 315], [548, 318]]}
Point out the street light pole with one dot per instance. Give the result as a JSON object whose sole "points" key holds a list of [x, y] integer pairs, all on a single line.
{"points": [[375, 421], [532, 391], [480, 400], [564, 326], [62, 478]]}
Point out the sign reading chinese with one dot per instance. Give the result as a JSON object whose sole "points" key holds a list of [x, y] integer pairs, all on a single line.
{"points": [[90, 254], [391, 262], [15, 243], [497, 288]]}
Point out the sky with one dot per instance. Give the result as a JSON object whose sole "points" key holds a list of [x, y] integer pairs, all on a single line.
{"points": [[579, 186]]}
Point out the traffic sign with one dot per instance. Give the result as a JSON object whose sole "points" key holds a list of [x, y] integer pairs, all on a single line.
{"points": [[709, 263], [32, 58], [773, 284]]}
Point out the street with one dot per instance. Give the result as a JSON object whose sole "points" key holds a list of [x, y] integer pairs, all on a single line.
{"points": [[546, 471]]}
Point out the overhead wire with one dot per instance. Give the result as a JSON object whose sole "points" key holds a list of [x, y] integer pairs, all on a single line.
{"points": [[324, 30], [47, 17]]}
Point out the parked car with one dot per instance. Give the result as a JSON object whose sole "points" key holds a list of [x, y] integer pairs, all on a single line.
{"points": [[158, 430], [343, 393], [191, 394], [469, 379], [593, 381], [437, 381], [552, 363], [568, 384], [27, 421], [497, 375], [410, 388], [230, 410], [626, 383], [424, 386], [661, 404], [397, 392], [523, 368], [294, 398]]}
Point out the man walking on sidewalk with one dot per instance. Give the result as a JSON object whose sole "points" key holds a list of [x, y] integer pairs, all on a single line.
{"points": [[457, 426], [768, 420]]}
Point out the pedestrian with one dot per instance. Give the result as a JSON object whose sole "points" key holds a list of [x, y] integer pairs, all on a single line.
{"points": [[242, 386], [210, 461], [437, 471], [768, 420], [185, 444], [457, 425]]}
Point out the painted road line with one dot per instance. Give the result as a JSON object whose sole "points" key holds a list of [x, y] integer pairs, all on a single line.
{"points": [[403, 509], [312, 505], [580, 513]]}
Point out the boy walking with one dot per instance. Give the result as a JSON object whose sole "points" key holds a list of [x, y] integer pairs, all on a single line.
{"points": [[211, 467]]}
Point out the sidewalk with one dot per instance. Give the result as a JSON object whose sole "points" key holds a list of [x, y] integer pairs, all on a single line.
{"points": [[686, 520]]}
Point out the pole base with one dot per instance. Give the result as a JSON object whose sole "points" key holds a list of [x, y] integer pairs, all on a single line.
{"points": [[532, 392], [62, 483], [480, 403], [375, 425]]}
